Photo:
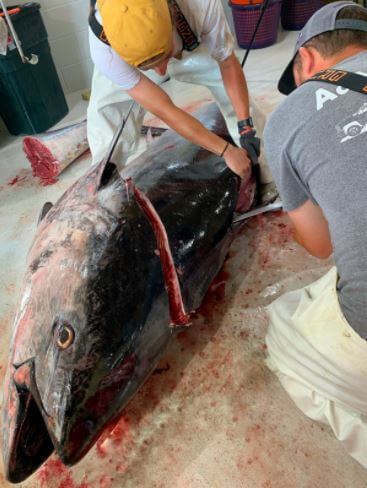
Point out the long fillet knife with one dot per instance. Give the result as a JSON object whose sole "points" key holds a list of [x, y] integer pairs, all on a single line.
{"points": [[270, 207]]}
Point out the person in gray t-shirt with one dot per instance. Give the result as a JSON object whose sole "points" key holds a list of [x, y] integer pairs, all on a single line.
{"points": [[315, 144]]}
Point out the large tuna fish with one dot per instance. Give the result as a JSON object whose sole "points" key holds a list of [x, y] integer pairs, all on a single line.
{"points": [[104, 290]]}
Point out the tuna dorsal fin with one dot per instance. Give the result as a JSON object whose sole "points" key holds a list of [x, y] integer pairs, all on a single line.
{"points": [[45, 209], [108, 173]]}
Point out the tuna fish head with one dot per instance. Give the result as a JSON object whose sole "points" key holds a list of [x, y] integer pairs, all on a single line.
{"points": [[72, 351]]}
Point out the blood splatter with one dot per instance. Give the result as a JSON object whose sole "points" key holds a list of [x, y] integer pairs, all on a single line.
{"points": [[14, 181], [55, 471], [23, 177], [215, 295], [101, 449], [105, 481], [119, 433], [51, 468]]}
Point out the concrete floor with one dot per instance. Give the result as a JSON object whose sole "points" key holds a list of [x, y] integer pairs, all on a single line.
{"points": [[214, 416]]}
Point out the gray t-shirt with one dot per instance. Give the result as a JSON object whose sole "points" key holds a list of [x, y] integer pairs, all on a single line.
{"points": [[315, 144]]}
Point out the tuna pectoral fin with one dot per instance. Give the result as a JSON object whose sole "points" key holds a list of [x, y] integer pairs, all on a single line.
{"points": [[27, 443]]}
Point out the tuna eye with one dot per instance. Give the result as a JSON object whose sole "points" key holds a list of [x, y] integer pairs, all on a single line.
{"points": [[65, 336]]}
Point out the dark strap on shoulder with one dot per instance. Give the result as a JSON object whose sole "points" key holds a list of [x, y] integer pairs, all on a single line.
{"points": [[353, 81], [189, 39], [95, 26]]}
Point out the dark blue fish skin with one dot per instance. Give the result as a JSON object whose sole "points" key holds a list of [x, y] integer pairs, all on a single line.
{"points": [[95, 319]]}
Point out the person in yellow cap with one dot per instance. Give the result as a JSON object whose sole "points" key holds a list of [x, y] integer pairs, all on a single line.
{"points": [[134, 44]]}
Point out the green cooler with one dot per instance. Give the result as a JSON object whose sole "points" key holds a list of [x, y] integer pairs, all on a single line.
{"points": [[31, 96]]}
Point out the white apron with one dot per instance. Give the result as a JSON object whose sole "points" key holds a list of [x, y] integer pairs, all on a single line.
{"points": [[321, 361]]}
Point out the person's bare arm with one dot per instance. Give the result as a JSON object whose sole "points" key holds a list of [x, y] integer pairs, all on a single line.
{"points": [[311, 229], [156, 101], [236, 87]]}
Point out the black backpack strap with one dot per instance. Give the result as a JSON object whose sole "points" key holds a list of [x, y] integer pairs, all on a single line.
{"points": [[353, 81], [95, 26], [189, 39]]}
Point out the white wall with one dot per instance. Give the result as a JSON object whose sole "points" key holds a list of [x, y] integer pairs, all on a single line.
{"points": [[67, 27]]}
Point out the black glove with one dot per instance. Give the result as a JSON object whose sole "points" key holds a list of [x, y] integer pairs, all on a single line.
{"points": [[251, 143]]}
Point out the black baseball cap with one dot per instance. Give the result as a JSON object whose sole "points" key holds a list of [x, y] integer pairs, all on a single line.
{"points": [[323, 20]]}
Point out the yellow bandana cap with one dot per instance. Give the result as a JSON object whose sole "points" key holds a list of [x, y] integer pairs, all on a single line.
{"points": [[137, 30]]}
